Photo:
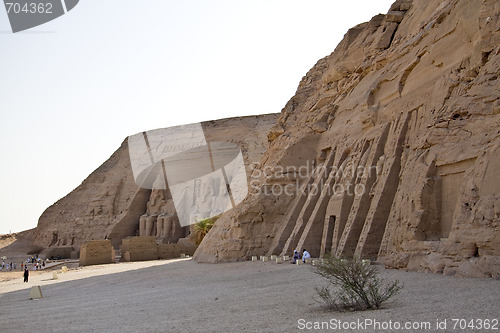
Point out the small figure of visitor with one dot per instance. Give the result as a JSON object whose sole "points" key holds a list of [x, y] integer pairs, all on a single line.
{"points": [[305, 255], [296, 256], [26, 274]]}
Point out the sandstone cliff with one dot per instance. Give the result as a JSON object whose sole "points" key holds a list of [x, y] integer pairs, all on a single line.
{"points": [[390, 149], [109, 204]]}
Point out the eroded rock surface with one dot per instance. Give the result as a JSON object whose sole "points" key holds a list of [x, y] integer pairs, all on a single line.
{"points": [[397, 132], [109, 204], [389, 150]]}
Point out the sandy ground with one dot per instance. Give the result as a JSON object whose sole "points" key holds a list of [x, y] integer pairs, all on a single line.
{"points": [[185, 296]]}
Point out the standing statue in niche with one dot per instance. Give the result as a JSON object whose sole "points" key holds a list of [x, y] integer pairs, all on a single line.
{"points": [[169, 228]]}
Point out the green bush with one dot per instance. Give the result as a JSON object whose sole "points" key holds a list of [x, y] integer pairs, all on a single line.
{"points": [[203, 226], [359, 286]]}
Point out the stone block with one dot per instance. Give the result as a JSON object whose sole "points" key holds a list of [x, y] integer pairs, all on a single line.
{"points": [[386, 37], [315, 262], [299, 262], [54, 275], [395, 16], [273, 257], [64, 269], [286, 258], [308, 260], [177, 250], [278, 260], [97, 252], [141, 248], [36, 292], [254, 258]]}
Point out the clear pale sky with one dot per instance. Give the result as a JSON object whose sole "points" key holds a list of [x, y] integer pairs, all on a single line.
{"points": [[73, 89]]}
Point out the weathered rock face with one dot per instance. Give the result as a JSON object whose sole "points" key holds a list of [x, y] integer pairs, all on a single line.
{"points": [[109, 204], [389, 150]]}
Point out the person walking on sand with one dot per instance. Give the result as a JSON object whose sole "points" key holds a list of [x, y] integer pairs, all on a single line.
{"points": [[26, 274]]}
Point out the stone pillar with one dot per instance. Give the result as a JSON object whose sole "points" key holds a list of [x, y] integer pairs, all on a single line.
{"points": [[150, 225], [165, 225], [172, 229], [160, 227], [142, 226], [176, 229]]}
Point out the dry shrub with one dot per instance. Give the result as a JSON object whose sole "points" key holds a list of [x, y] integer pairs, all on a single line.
{"points": [[359, 286]]}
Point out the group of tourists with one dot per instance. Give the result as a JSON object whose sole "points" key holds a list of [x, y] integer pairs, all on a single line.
{"points": [[37, 264], [297, 256], [12, 265], [8, 266]]}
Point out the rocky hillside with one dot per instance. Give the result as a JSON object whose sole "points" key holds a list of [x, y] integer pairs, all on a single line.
{"points": [[389, 150], [109, 204]]}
